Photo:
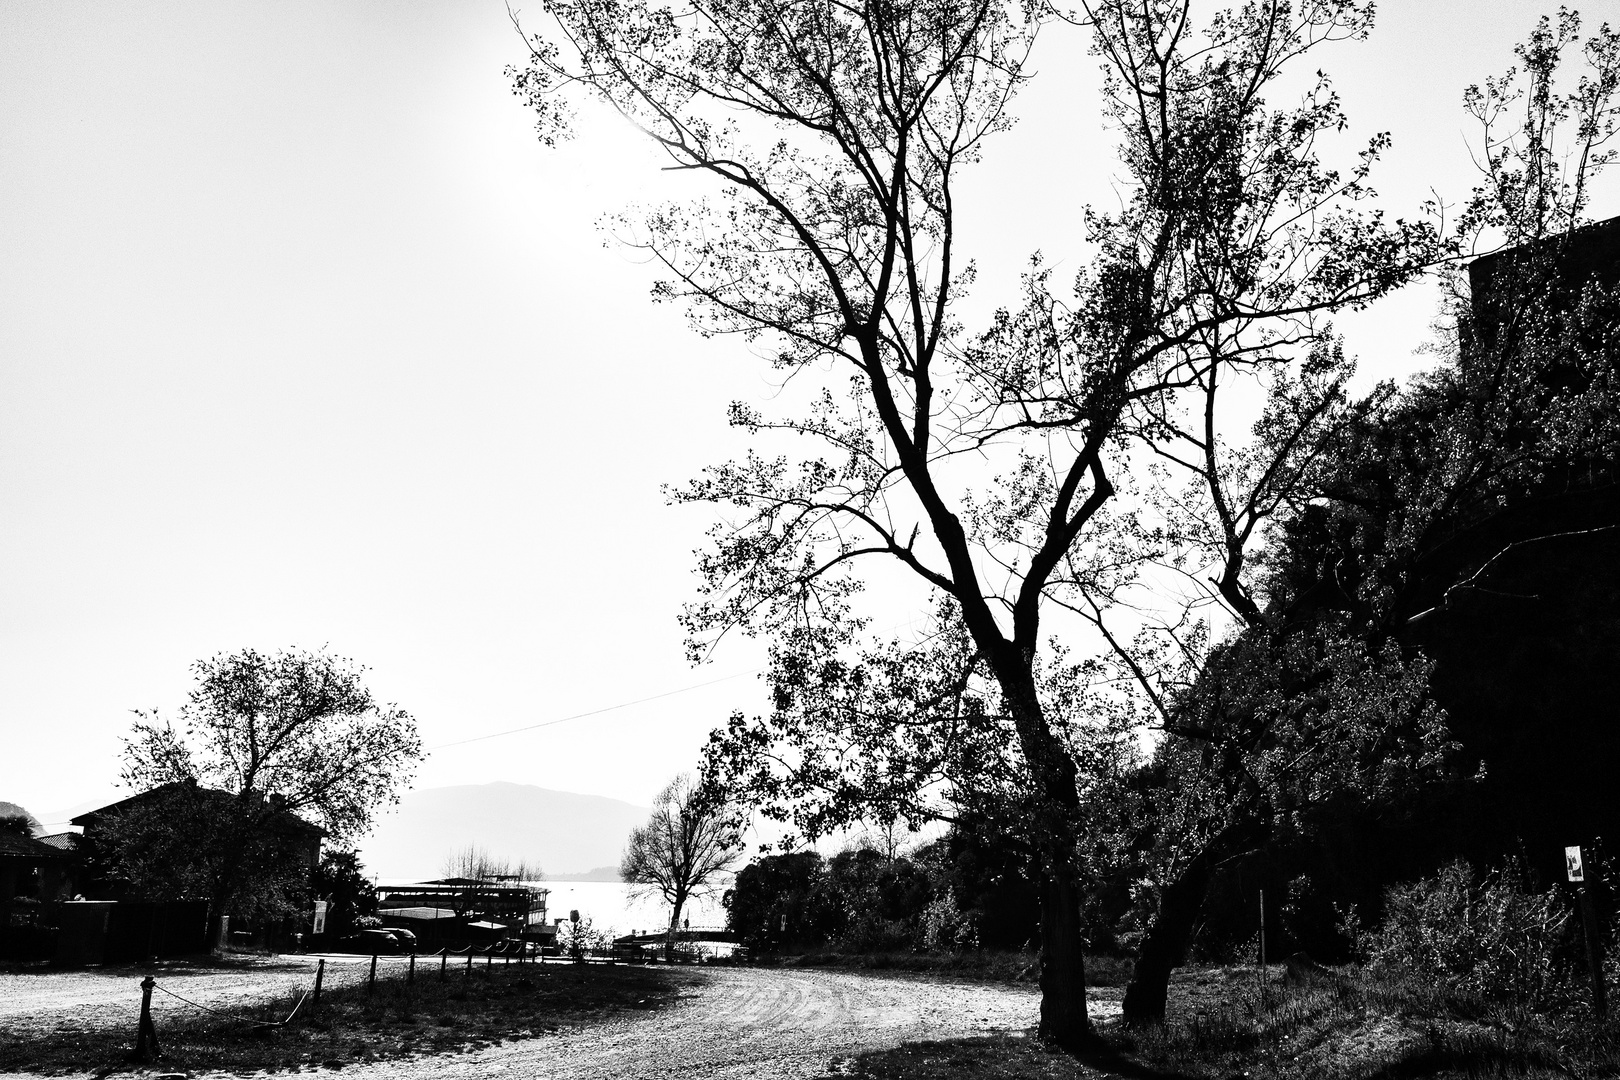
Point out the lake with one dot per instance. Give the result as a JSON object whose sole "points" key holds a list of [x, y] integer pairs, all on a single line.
{"points": [[609, 907]]}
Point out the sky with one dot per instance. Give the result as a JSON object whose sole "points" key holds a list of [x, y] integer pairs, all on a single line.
{"points": [[306, 340]]}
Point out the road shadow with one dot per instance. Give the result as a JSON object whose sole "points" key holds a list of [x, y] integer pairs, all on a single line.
{"points": [[1005, 1057]]}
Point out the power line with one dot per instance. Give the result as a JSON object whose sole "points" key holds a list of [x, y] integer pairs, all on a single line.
{"points": [[654, 697], [595, 712]]}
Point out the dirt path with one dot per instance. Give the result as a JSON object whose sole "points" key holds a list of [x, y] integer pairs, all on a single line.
{"points": [[746, 1023], [100, 996], [770, 1023]]}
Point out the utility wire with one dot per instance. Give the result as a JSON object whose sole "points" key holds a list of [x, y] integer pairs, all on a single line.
{"points": [[595, 712], [642, 701]]}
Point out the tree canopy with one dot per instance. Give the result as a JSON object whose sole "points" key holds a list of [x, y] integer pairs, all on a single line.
{"points": [[271, 752], [835, 135]]}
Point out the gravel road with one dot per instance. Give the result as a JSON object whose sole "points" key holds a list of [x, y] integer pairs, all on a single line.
{"points": [[113, 996], [726, 1022], [746, 1023]]}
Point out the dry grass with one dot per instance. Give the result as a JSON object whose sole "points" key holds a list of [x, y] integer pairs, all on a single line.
{"points": [[397, 1020], [989, 965], [1347, 1027]]}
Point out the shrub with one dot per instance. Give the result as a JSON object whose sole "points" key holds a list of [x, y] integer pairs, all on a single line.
{"points": [[579, 939], [945, 927], [1489, 936]]}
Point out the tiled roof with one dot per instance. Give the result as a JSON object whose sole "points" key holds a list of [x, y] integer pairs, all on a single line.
{"points": [[90, 817], [62, 841], [14, 845]]}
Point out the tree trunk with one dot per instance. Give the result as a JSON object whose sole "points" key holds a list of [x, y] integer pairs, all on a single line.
{"points": [[1063, 966], [674, 924], [1165, 946], [1063, 971]]}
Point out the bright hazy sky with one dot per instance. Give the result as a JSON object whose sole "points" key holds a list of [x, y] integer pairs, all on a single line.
{"points": [[305, 340]]}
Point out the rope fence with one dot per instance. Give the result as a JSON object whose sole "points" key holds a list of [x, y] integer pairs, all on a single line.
{"points": [[363, 972]]}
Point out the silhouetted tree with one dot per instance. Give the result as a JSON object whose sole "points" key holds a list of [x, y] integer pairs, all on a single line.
{"points": [[684, 850]]}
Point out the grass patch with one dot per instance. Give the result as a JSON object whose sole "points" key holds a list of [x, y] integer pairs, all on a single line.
{"points": [[996, 1057], [1348, 1026], [987, 965], [397, 1020]]}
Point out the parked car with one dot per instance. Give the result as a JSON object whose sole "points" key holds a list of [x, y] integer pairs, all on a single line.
{"points": [[370, 942], [406, 939]]}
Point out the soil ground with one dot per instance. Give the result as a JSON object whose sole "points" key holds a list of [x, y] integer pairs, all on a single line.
{"points": [[722, 1023]]}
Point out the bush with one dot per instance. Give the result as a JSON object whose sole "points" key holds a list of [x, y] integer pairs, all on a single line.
{"points": [[1488, 936], [580, 939], [946, 927]]}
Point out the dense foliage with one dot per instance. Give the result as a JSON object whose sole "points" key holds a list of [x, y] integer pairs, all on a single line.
{"points": [[955, 893], [272, 751]]}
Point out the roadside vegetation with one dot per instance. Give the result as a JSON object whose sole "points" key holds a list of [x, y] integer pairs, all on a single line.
{"points": [[1355, 1025], [396, 1020], [1467, 975]]}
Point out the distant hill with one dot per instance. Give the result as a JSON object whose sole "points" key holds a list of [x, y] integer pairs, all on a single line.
{"points": [[601, 873], [565, 833]]}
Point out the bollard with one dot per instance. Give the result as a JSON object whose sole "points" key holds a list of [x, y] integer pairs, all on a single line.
{"points": [[320, 973], [469, 960], [410, 972], [371, 982], [444, 959], [146, 1041]]}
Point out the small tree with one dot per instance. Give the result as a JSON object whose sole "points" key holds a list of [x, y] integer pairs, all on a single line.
{"points": [[14, 819], [683, 850], [261, 737]]}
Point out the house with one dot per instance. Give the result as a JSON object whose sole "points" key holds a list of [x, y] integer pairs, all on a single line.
{"points": [[303, 835], [32, 869], [182, 843]]}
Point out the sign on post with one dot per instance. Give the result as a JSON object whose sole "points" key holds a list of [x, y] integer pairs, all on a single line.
{"points": [[1572, 862]]}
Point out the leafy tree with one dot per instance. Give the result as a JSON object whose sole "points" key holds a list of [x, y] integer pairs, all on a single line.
{"points": [[683, 851], [185, 841], [879, 900], [835, 136], [780, 901], [14, 819], [1392, 505], [262, 738]]}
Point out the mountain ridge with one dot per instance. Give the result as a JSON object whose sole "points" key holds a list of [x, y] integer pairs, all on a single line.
{"points": [[571, 836]]}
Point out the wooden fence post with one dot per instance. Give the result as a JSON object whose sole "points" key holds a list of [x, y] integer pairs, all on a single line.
{"points": [[146, 1040], [410, 972], [444, 959], [371, 982], [320, 973]]}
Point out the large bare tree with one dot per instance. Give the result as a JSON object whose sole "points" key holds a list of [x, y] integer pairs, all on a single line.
{"points": [[683, 851], [984, 465]]}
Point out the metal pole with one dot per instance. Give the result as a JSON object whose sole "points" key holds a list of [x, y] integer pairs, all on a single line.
{"points": [[1262, 941], [146, 1040], [1594, 954], [320, 973]]}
